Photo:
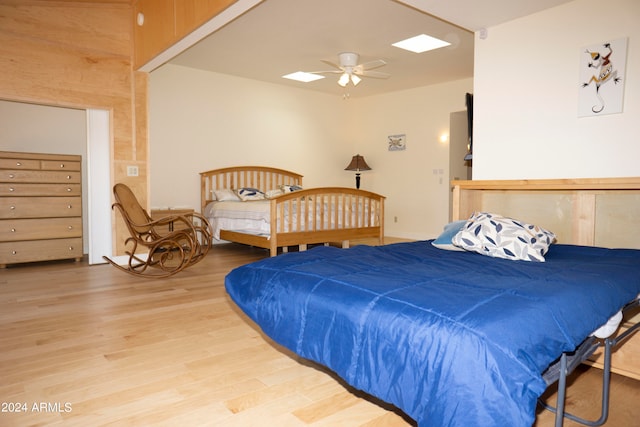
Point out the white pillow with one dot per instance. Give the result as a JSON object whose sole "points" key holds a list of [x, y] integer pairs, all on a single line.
{"points": [[502, 237], [274, 193], [226, 195]]}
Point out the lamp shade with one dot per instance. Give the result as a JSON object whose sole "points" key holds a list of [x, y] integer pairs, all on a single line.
{"points": [[357, 164]]}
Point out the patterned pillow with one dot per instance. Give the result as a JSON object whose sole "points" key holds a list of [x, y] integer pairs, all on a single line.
{"points": [[502, 237], [247, 194], [290, 188]]}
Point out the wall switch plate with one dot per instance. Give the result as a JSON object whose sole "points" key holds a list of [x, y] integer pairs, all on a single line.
{"points": [[132, 171]]}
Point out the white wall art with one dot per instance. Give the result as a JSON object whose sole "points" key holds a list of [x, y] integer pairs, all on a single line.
{"points": [[602, 79]]}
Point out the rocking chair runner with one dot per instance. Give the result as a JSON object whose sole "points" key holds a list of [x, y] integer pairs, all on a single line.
{"points": [[168, 253]]}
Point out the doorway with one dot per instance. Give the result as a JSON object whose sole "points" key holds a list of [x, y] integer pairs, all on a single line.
{"points": [[50, 129]]}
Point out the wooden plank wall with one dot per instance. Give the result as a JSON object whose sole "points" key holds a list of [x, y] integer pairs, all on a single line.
{"points": [[78, 54]]}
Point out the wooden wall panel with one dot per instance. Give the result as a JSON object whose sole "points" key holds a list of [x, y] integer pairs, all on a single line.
{"points": [[79, 54], [157, 32], [191, 14]]}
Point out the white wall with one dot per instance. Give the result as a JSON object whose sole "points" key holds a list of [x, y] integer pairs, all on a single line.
{"points": [[526, 83], [42, 129], [201, 121], [415, 180]]}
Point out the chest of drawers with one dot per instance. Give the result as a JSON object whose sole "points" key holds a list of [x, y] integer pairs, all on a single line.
{"points": [[40, 207]]}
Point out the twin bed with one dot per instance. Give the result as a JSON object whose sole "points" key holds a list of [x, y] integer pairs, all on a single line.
{"points": [[461, 334], [269, 208]]}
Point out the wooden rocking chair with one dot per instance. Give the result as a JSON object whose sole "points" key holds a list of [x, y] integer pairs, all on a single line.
{"points": [[162, 253]]}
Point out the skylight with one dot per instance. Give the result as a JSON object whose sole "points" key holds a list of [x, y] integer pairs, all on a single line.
{"points": [[421, 43], [301, 76]]}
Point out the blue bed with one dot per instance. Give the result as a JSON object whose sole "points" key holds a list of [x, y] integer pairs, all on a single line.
{"points": [[451, 338]]}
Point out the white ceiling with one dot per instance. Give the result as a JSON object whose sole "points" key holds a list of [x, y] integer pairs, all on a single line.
{"points": [[278, 37]]}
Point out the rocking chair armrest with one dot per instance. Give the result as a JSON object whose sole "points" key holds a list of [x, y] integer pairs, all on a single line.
{"points": [[183, 219], [183, 233], [188, 219], [166, 220]]}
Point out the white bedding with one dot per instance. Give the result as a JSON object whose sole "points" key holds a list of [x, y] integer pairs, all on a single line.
{"points": [[252, 217], [249, 217]]}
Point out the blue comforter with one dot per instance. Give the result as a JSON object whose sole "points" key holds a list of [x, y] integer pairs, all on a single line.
{"points": [[451, 338]]}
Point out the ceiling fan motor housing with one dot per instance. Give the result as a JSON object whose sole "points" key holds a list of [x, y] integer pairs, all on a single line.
{"points": [[348, 59]]}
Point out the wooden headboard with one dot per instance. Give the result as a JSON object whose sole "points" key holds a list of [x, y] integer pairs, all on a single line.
{"points": [[261, 177], [592, 211]]}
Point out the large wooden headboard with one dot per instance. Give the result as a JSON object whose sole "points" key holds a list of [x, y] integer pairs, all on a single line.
{"points": [[261, 177], [594, 212]]}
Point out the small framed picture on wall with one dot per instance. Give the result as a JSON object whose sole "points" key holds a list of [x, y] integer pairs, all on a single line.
{"points": [[397, 142]]}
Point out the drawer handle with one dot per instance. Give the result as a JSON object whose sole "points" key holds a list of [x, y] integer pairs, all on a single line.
{"points": [[13, 230], [13, 208], [68, 176], [18, 164], [70, 248], [61, 165], [11, 189], [70, 227], [69, 190], [13, 252], [69, 206], [11, 176]]}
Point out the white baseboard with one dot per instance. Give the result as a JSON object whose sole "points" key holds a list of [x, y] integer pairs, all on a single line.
{"points": [[124, 259]]}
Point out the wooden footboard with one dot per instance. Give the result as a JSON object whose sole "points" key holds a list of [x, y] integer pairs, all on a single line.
{"points": [[304, 217], [321, 215]]}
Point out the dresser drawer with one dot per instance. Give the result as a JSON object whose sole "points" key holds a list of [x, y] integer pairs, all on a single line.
{"points": [[12, 230], [19, 164], [40, 250], [24, 190], [12, 175], [59, 165], [39, 207]]}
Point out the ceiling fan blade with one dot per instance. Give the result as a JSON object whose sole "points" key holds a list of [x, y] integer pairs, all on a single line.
{"points": [[374, 74], [354, 70], [326, 72], [372, 64], [333, 64]]}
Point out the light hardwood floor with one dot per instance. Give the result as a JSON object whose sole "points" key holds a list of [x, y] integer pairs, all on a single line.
{"points": [[89, 345]]}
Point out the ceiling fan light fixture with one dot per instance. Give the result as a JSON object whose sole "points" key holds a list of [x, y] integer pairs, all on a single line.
{"points": [[355, 79], [343, 80], [421, 43]]}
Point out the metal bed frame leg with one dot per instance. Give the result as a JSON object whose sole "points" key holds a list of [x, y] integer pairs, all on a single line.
{"points": [[567, 367], [562, 388]]}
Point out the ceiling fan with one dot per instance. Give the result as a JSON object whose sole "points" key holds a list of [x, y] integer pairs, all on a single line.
{"points": [[350, 70]]}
